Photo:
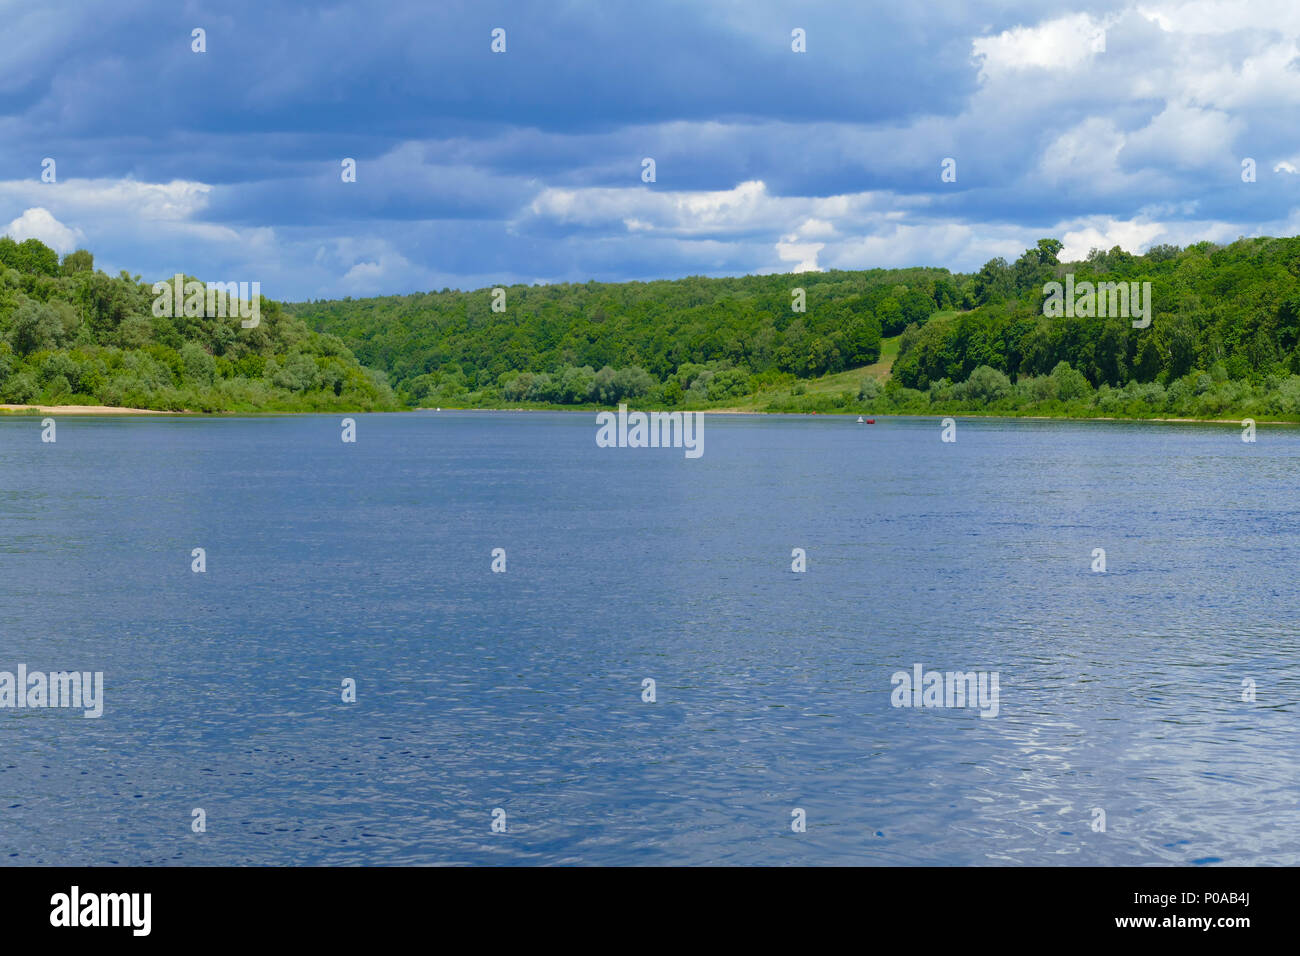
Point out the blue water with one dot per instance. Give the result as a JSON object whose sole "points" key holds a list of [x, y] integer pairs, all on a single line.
{"points": [[523, 690]]}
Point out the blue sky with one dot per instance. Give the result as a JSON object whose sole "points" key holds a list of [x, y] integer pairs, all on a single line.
{"points": [[1101, 124]]}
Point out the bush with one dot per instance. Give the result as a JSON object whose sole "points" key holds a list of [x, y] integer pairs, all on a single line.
{"points": [[575, 385], [632, 382], [1286, 399], [21, 388], [200, 368], [941, 391], [1038, 388], [984, 385], [298, 374], [35, 327], [1071, 384]]}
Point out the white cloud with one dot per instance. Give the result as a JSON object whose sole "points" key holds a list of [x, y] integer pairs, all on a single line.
{"points": [[803, 254], [1187, 137], [1211, 17], [39, 223], [748, 208], [645, 210], [117, 198], [1062, 44], [1089, 152]]}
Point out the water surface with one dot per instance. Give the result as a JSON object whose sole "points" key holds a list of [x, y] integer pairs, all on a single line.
{"points": [[372, 561]]}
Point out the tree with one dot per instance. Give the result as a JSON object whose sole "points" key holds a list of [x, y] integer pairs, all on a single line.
{"points": [[862, 341], [298, 374], [985, 385], [31, 256], [79, 261], [35, 326], [199, 365], [993, 282], [1070, 383], [1048, 249], [1148, 360], [916, 307]]}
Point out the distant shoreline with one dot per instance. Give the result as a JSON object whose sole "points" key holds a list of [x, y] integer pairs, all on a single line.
{"points": [[115, 410], [888, 415]]}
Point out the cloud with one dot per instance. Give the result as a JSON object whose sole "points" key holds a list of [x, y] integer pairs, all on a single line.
{"points": [[110, 201], [803, 254], [38, 223], [1185, 136], [1065, 44]]}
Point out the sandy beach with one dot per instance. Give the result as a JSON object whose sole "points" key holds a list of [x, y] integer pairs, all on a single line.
{"points": [[82, 410]]}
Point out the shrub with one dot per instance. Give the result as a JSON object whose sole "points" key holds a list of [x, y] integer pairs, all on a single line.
{"points": [[1071, 384], [984, 385]]}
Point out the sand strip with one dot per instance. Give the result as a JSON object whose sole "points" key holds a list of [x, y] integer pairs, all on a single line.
{"points": [[83, 410]]}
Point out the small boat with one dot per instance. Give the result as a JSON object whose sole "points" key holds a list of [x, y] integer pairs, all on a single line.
{"points": [[871, 421], [860, 421]]}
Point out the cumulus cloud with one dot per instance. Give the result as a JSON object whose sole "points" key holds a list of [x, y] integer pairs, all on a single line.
{"points": [[38, 223], [802, 254]]}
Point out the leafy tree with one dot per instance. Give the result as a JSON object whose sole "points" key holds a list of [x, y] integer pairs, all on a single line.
{"points": [[79, 261], [200, 367], [35, 326], [1070, 383]]}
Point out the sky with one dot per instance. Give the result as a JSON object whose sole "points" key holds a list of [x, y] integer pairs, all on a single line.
{"points": [[1100, 124]]}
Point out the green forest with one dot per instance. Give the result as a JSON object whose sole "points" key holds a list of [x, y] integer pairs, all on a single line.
{"points": [[694, 340], [1223, 342], [71, 335]]}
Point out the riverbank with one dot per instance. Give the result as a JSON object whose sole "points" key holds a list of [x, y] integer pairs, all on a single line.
{"points": [[116, 410], [82, 410], [878, 415]]}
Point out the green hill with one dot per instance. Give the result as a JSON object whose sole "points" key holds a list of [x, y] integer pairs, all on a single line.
{"points": [[70, 335], [1224, 340], [669, 342]]}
